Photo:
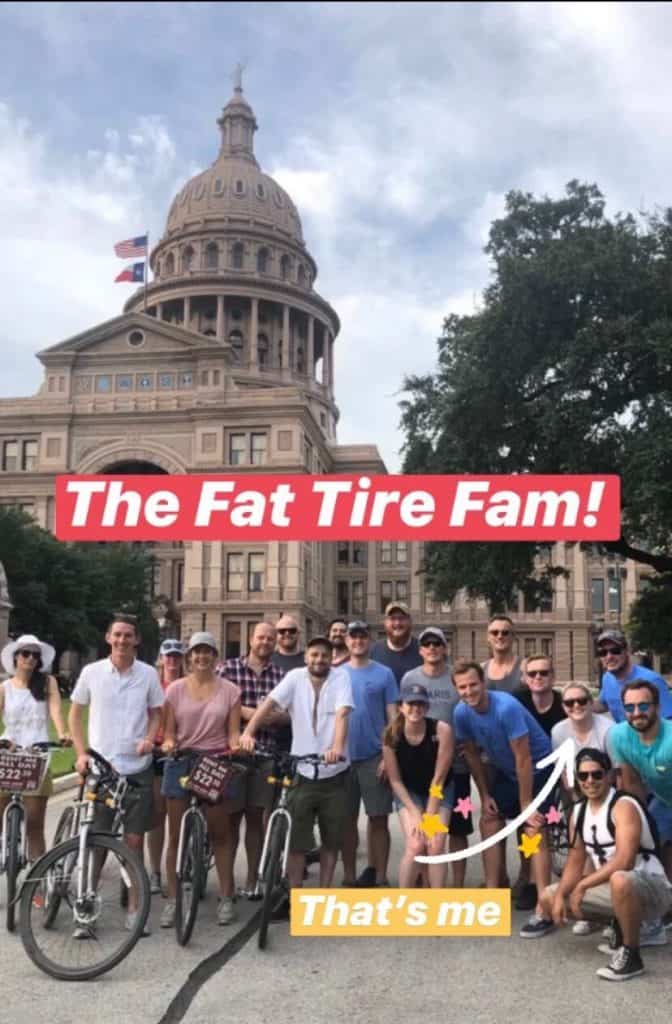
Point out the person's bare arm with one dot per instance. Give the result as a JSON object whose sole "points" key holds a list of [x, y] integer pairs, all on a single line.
{"points": [[336, 751], [169, 728], [55, 708], [234, 727], [444, 759], [631, 782], [524, 775], [76, 726], [259, 716]]}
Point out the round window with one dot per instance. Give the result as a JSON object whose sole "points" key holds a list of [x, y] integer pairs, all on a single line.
{"points": [[136, 338]]}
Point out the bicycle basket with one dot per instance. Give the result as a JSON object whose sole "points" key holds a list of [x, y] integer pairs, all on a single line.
{"points": [[22, 772], [211, 779]]}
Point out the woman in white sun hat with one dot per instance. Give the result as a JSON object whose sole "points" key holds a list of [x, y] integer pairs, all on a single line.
{"points": [[27, 699]]}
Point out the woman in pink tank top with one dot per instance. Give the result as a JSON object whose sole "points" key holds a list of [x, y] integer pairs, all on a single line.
{"points": [[202, 714]]}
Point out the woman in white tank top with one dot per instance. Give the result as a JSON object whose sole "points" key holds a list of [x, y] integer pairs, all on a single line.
{"points": [[27, 699]]}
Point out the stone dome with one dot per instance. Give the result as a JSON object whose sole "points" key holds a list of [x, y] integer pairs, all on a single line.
{"points": [[234, 187]]}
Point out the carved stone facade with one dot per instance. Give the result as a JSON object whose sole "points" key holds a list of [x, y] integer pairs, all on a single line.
{"points": [[226, 363]]}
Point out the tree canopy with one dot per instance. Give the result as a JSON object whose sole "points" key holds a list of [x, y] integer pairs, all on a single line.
{"points": [[565, 368], [65, 593]]}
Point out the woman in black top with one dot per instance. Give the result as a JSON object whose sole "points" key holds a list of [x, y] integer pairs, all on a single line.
{"points": [[418, 755]]}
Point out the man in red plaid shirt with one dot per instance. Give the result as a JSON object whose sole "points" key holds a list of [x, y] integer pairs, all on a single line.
{"points": [[256, 676]]}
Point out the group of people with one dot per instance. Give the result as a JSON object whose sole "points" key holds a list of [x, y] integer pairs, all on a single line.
{"points": [[398, 728]]}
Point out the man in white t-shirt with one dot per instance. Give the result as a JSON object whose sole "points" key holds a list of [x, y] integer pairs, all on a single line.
{"points": [[319, 700], [124, 698], [627, 884]]}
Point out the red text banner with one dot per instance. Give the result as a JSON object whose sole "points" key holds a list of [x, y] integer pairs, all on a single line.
{"points": [[243, 507]]}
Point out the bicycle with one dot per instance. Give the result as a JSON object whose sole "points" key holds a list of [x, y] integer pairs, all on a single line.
{"points": [[82, 931], [22, 770], [275, 851], [207, 782]]}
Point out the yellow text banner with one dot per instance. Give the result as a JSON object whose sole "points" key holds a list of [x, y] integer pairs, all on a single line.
{"points": [[396, 912]]}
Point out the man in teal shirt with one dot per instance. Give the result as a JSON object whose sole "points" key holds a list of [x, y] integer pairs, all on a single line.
{"points": [[642, 745]]}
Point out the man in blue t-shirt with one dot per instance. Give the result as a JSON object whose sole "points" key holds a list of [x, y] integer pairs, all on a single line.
{"points": [[643, 747], [619, 669], [514, 742], [375, 694]]}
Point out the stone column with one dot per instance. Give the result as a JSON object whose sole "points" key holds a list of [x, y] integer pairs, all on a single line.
{"points": [[159, 311], [187, 313], [326, 368], [254, 332], [214, 585], [579, 580], [220, 318], [310, 354], [560, 581], [286, 341], [331, 365], [272, 587], [372, 613]]}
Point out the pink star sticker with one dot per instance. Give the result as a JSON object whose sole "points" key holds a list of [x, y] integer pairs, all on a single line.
{"points": [[554, 817], [464, 806]]}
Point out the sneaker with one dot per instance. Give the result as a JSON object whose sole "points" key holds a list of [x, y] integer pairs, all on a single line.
{"points": [[652, 933], [130, 922], [527, 900], [253, 894], [614, 938], [313, 856], [367, 879], [536, 927], [168, 915], [84, 931], [582, 928], [155, 883], [626, 963], [226, 912]]}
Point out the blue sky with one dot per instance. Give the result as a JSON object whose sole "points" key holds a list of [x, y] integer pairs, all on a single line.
{"points": [[396, 128]]}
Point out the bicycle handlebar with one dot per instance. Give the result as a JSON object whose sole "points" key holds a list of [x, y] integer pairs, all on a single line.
{"points": [[40, 747], [109, 769]]}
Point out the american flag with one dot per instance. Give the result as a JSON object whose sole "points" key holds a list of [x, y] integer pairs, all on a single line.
{"points": [[131, 247]]}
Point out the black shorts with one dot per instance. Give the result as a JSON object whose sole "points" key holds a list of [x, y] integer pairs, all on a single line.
{"points": [[459, 825]]}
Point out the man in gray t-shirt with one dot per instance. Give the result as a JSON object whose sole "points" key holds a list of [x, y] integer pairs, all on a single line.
{"points": [[435, 674]]}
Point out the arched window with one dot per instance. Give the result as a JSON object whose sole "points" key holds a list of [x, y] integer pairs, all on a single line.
{"points": [[263, 349], [302, 276], [236, 342], [170, 263], [211, 256], [187, 259], [262, 261], [158, 268], [284, 267], [237, 256]]}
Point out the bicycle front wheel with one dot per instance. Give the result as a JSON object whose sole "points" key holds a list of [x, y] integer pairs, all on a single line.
{"points": [[90, 933], [14, 819], [190, 877], [272, 877]]}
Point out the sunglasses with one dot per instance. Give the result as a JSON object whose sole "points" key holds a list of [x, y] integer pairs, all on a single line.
{"points": [[499, 632], [604, 652], [289, 632], [642, 706], [594, 776], [571, 701], [29, 654], [431, 643], [543, 672]]}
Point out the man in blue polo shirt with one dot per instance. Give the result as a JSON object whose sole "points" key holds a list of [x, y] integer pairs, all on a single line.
{"points": [[619, 669], [514, 742]]}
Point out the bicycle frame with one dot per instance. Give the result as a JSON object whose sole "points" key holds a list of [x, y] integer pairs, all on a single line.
{"points": [[280, 811]]}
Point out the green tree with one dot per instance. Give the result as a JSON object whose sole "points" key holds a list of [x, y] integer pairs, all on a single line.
{"points": [[566, 368], [65, 593]]}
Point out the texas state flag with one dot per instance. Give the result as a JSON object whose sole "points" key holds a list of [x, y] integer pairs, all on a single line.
{"points": [[133, 272]]}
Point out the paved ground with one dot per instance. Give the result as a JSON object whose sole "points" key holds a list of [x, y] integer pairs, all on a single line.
{"points": [[221, 974]]}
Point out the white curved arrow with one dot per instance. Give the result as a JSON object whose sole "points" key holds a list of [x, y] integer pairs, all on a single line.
{"points": [[564, 762]]}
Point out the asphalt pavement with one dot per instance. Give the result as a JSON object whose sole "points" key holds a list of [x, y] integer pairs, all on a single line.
{"points": [[221, 974]]}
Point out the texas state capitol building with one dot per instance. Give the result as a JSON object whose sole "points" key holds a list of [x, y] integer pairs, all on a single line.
{"points": [[231, 369]]}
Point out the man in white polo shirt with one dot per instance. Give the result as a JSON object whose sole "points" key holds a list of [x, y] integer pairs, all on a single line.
{"points": [[318, 699], [124, 697]]}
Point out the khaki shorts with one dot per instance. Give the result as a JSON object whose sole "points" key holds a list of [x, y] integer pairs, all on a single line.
{"points": [[323, 799], [45, 790], [258, 791], [138, 806], [365, 785], [653, 893]]}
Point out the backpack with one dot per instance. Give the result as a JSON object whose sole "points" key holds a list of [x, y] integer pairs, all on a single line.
{"points": [[599, 850]]}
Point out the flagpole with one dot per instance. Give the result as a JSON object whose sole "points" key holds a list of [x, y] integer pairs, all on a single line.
{"points": [[146, 269]]}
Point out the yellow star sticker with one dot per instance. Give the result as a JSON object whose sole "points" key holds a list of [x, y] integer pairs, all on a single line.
{"points": [[432, 825], [436, 791], [530, 845]]}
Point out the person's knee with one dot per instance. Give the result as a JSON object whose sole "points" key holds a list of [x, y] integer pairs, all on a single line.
{"points": [[379, 822], [489, 826], [620, 883]]}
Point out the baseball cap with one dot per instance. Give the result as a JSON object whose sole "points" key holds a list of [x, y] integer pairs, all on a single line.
{"points": [[433, 631], [202, 639], [171, 646], [397, 606], [616, 636], [358, 626], [317, 641], [414, 693]]}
